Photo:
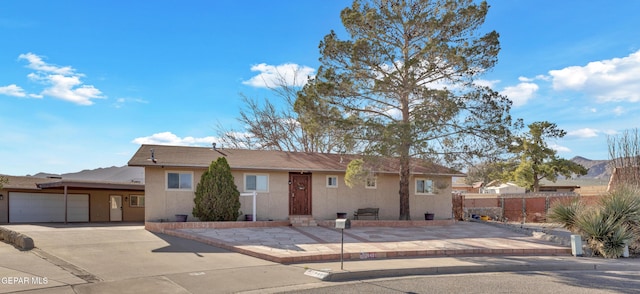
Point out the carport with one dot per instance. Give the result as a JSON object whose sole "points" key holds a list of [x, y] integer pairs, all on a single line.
{"points": [[44, 200]]}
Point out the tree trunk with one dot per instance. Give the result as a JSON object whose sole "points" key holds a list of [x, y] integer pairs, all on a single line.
{"points": [[405, 174]]}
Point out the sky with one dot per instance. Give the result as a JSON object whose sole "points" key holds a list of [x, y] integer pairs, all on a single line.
{"points": [[84, 83]]}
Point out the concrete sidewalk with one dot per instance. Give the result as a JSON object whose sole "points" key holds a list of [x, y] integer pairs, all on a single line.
{"points": [[313, 244]]}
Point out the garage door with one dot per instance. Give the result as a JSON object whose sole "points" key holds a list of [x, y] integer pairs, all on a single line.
{"points": [[46, 207]]}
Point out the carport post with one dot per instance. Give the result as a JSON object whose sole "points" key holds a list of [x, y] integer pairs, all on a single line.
{"points": [[65, 204]]}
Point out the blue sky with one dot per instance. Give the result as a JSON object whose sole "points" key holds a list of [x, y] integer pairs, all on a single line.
{"points": [[84, 83]]}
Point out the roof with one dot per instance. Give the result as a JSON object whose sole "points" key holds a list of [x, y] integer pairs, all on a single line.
{"points": [[245, 159], [35, 183]]}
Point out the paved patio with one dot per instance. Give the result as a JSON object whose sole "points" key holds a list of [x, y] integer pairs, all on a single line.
{"points": [[285, 244]]}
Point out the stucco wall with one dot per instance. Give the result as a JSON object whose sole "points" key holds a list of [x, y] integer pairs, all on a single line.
{"points": [[4, 206], [328, 201], [274, 204]]}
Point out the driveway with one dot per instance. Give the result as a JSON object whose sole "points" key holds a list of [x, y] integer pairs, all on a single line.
{"points": [[129, 259]]}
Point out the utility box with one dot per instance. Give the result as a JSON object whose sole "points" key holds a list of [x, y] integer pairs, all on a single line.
{"points": [[576, 245], [343, 223]]}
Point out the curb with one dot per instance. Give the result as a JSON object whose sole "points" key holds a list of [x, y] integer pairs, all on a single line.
{"points": [[19, 240], [460, 269]]}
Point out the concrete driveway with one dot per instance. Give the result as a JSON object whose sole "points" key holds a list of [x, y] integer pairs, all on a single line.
{"points": [[128, 259]]}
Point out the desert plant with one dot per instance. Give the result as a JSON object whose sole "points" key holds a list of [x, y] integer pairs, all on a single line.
{"points": [[565, 213], [605, 235], [623, 206], [217, 196]]}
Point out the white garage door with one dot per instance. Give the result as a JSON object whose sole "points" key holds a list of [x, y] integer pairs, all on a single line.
{"points": [[45, 207]]}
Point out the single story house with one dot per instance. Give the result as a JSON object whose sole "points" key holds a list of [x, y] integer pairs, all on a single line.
{"points": [[289, 183], [497, 187], [55, 199]]}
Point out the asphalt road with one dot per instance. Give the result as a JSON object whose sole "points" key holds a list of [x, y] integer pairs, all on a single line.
{"points": [[565, 282]]}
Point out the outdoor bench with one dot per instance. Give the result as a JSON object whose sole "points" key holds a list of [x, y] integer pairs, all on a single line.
{"points": [[366, 212]]}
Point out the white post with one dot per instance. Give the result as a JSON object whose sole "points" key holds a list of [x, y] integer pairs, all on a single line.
{"points": [[255, 216], [576, 245], [253, 194]]}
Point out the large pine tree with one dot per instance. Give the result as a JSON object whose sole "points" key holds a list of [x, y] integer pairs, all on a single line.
{"points": [[217, 196], [405, 79]]}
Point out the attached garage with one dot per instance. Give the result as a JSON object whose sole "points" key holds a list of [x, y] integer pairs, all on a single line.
{"points": [[47, 207], [42, 200]]}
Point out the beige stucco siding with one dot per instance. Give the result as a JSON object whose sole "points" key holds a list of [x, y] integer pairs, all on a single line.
{"points": [[4, 207], [163, 204], [271, 205], [327, 201]]}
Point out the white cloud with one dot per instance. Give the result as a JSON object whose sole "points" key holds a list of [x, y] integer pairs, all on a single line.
{"points": [[486, 83], [520, 93], [618, 111], [168, 138], [12, 90], [559, 148], [610, 132], [584, 133], [120, 102], [63, 82], [616, 79], [289, 74], [35, 62]]}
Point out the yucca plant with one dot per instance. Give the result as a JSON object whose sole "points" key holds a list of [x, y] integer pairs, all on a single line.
{"points": [[605, 234], [623, 205], [565, 213]]}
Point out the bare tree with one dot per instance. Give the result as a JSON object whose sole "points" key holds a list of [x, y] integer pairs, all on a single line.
{"points": [[624, 156], [278, 126]]}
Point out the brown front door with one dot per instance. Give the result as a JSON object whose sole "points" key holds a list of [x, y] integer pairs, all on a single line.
{"points": [[299, 194]]}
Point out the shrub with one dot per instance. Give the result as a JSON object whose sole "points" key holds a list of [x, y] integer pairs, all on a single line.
{"points": [[217, 196], [565, 213], [608, 227], [605, 235]]}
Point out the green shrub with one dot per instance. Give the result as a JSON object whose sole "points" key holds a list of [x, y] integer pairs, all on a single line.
{"points": [[608, 227], [604, 234], [565, 213], [217, 196]]}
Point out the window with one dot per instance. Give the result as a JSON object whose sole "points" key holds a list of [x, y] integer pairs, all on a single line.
{"points": [[136, 201], [370, 183], [256, 182], [179, 181], [332, 181], [424, 186]]}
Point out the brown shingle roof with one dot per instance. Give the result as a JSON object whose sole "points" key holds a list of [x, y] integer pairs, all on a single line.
{"points": [[201, 157], [35, 183], [16, 182]]}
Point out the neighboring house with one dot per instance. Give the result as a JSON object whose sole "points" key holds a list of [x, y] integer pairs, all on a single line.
{"points": [[289, 183], [497, 187], [41, 200], [460, 186]]}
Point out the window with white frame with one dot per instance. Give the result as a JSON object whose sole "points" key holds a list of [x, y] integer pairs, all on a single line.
{"points": [[256, 182], [136, 201], [424, 186], [371, 183], [332, 181], [179, 180]]}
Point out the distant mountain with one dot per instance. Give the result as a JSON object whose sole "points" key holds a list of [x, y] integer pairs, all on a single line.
{"points": [[123, 174], [598, 169]]}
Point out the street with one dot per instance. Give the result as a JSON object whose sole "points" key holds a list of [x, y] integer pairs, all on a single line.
{"points": [[579, 282]]}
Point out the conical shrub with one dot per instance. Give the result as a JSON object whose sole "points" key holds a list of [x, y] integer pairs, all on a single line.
{"points": [[217, 196]]}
